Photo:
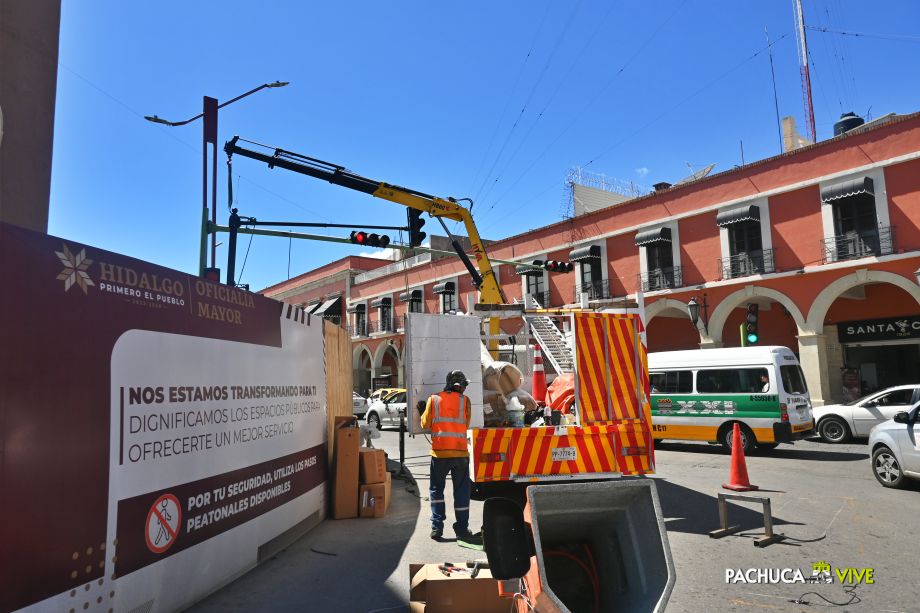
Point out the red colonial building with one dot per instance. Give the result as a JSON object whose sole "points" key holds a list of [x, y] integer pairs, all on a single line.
{"points": [[825, 240]]}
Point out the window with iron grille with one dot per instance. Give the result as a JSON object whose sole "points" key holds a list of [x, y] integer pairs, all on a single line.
{"points": [[535, 284], [744, 238], [591, 273], [448, 303], [658, 256]]}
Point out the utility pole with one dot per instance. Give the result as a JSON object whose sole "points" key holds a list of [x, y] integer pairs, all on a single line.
{"points": [[803, 68]]}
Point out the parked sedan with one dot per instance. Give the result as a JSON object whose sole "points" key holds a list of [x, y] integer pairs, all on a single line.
{"points": [[386, 412], [358, 405], [381, 393], [895, 448], [837, 423]]}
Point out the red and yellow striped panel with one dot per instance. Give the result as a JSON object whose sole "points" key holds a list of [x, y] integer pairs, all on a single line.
{"points": [[611, 367], [503, 454]]}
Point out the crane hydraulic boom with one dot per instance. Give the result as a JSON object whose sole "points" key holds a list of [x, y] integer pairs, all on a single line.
{"points": [[484, 278]]}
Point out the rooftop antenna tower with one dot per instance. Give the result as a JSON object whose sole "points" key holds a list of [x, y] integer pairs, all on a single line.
{"points": [[806, 78]]}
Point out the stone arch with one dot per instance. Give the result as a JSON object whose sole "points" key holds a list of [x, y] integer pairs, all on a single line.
{"points": [[676, 336], [362, 363], [382, 350], [729, 303], [659, 306], [360, 349], [823, 301]]}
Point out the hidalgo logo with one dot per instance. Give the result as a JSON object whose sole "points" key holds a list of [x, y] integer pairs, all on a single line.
{"points": [[74, 269]]}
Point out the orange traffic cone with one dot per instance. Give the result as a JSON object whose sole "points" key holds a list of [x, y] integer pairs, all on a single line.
{"points": [[538, 390], [738, 479]]}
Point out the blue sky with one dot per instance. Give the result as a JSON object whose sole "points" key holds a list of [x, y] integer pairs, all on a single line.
{"points": [[497, 101]]}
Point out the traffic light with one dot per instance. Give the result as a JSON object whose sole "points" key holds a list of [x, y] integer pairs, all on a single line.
{"points": [[416, 236], [751, 332], [369, 240], [556, 266]]}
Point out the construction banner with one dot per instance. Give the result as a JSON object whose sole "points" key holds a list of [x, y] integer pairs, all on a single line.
{"points": [[158, 430]]}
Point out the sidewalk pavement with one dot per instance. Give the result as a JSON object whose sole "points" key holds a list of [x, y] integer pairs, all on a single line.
{"points": [[359, 565]]}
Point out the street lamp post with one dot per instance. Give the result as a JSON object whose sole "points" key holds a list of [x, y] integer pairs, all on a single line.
{"points": [[209, 135], [693, 309]]}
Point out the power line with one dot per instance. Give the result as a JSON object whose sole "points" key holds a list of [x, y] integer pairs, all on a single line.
{"points": [[895, 37], [552, 97], [659, 116], [517, 80], [529, 97], [639, 50]]}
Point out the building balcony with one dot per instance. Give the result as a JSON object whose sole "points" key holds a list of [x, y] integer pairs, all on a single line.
{"points": [[379, 327], [595, 290], [747, 264], [854, 245], [661, 278], [357, 330]]}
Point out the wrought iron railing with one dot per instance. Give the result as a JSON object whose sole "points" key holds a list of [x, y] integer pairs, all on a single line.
{"points": [[359, 329], [595, 290], [661, 278], [853, 245], [374, 327], [747, 264]]}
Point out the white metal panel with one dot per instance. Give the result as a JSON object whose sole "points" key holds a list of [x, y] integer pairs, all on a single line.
{"points": [[436, 345]]}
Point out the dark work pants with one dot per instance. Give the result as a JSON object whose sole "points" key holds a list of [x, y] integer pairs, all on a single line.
{"points": [[459, 470]]}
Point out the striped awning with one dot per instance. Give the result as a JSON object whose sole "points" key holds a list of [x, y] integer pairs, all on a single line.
{"points": [[357, 308], [658, 235], [381, 302], [749, 212], [530, 271], [448, 287], [848, 189], [412, 296], [333, 306], [309, 308], [585, 254]]}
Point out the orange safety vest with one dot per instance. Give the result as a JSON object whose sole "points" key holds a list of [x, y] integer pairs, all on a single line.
{"points": [[448, 423]]}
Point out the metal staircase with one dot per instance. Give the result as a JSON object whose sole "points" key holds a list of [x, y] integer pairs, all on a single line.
{"points": [[555, 348]]}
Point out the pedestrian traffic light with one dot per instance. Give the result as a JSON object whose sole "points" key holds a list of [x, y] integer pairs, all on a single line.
{"points": [[556, 266], [751, 332], [416, 236], [369, 240]]}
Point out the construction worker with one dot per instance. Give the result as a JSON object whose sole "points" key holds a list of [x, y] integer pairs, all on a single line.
{"points": [[447, 415]]}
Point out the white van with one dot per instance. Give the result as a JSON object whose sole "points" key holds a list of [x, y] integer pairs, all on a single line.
{"points": [[698, 395]]}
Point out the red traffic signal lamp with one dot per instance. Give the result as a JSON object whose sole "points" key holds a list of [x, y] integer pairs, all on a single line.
{"points": [[359, 237], [556, 266], [416, 236]]}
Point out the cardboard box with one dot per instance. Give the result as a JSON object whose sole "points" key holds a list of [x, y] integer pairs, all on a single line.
{"points": [[432, 592], [345, 468], [372, 500], [387, 493], [373, 465]]}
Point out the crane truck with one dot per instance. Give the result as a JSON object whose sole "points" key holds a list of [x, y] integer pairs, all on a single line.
{"points": [[610, 435]]}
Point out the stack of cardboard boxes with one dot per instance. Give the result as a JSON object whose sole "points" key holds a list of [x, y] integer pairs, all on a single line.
{"points": [[362, 487], [376, 483]]}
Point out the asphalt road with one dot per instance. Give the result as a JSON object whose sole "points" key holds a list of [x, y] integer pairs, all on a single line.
{"points": [[823, 496]]}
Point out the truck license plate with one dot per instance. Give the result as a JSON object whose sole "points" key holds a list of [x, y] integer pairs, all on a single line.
{"points": [[802, 427], [562, 454]]}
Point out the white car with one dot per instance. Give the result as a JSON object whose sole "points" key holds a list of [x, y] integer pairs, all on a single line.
{"points": [[358, 405], [896, 449], [387, 412], [837, 423]]}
